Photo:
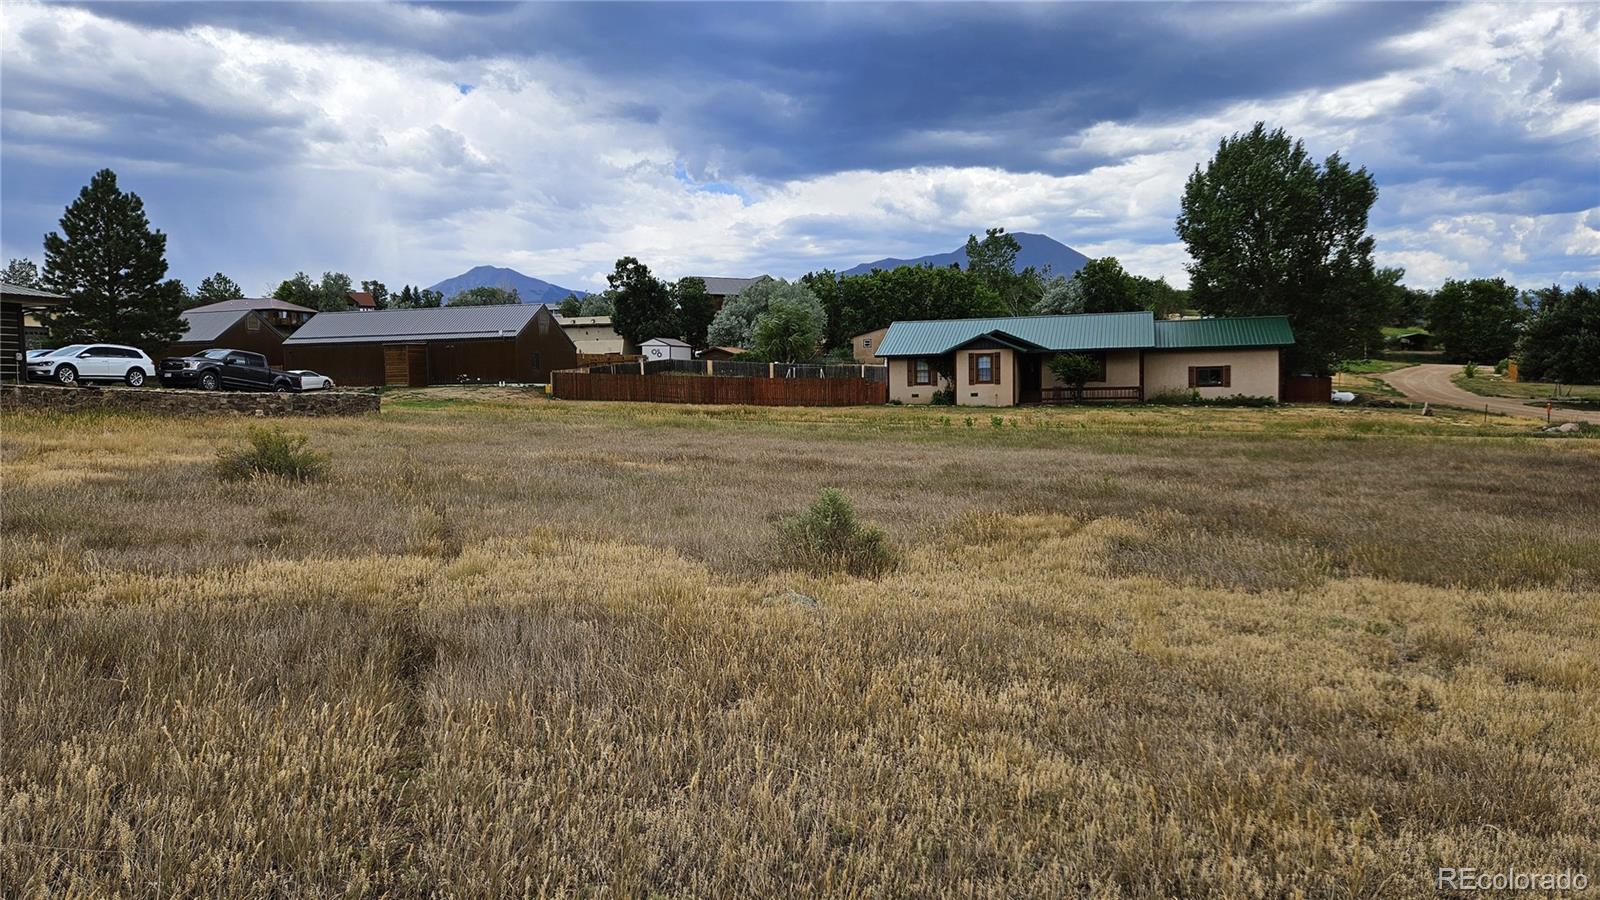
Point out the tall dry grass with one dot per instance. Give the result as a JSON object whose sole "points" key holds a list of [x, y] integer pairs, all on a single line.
{"points": [[522, 649]]}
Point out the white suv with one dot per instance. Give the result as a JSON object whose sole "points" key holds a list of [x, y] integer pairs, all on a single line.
{"points": [[93, 362]]}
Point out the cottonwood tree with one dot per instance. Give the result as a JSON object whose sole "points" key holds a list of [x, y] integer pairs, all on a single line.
{"points": [[112, 266], [1475, 320], [644, 307], [1107, 287], [734, 323], [790, 330], [1273, 232], [994, 260]]}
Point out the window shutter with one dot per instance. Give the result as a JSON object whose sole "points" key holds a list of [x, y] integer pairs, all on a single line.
{"points": [[1227, 376], [1191, 376], [972, 368], [995, 366], [911, 373]]}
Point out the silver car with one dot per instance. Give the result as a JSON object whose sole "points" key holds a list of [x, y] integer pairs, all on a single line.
{"points": [[77, 363]]}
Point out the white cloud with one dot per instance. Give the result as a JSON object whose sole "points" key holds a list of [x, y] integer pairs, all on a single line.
{"points": [[385, 168]]}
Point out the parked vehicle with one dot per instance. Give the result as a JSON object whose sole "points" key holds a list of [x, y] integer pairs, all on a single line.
{"points": [[39, 354], [221, 369], [311, 381], [76, 363]]}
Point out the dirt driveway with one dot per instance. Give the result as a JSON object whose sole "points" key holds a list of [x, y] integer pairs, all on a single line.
{"points": [[1431, 383]]}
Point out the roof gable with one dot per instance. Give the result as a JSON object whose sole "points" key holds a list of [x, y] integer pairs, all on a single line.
{"points": [[442, 323], [201, 327], [243, 303]]}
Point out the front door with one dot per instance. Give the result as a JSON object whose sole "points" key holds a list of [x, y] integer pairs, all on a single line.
{"points": [[1030, 375]]}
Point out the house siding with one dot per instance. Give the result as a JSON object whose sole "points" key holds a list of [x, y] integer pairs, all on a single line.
{"points": [[1002, 394], [1122, 370], [899, 375], [1254, 373], [865, 346]]}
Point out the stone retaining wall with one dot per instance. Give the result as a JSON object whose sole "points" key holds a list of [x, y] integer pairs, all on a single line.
{"points": [[161, 401]]}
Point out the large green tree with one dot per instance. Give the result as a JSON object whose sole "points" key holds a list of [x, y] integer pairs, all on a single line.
{"points": [[409, 297], [1475, 320], [330, 294], [112, 265], [790, 330], [644, 307], [215, 289], [486, 296], [379, 292], [1272, 232], [1561, 340], [994, 260], [1107, 287], [883, 296], [734, 324], [695, 311]]}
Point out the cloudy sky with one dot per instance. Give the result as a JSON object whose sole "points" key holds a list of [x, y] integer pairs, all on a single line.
{"points": [[408, 143]]}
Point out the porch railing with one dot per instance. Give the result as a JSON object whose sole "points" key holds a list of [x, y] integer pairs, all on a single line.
{"points": [[1090, 394]]}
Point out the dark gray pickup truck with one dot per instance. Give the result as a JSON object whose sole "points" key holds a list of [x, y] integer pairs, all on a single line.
{"points": [[226, 370]]}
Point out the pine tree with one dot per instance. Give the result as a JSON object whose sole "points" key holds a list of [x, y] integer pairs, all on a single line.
{"points": [[113, 268], [215, 289]]}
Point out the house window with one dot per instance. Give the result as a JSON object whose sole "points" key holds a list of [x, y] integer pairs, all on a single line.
{"points": [[921, 372], [985, 368], [866, 343], [1210, 376]]}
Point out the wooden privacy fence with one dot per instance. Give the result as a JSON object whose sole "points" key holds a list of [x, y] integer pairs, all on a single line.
{"points": [[575, 384], [1307, 388]]}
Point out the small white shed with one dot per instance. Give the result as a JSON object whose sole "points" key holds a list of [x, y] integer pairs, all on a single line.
{"points": [[665, 348]]}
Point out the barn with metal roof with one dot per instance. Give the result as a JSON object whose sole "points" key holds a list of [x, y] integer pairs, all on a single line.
{"points": [[518, 343]]}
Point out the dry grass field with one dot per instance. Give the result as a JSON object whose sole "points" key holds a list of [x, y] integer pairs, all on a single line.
{"points": [[517, 647]]}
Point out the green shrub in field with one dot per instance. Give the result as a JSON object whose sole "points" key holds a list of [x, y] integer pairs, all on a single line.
{"points": [[274, 453], [1470, 370], [828, 537], [1503, 366]]}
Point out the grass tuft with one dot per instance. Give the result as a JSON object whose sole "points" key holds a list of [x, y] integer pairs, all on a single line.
{"points": [[829, 538], [272, 453]]}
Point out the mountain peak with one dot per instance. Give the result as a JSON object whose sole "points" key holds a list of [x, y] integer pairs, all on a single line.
{"points": [[1038, 251], [529, 288]]}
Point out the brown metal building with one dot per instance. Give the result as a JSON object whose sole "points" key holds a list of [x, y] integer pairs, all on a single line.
{"points": [[450, 345], [246, 329], [14, 299]]}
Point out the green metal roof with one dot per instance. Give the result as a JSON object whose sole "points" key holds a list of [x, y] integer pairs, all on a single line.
{"points": [[1086, 331], [1254, 331]]}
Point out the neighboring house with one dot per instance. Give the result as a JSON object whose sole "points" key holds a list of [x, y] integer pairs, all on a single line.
{"points": [[864, 347], [234, 329], [723, 289], [1003, 362], [665, 348], [594, 335], [283, 315], [15, 303], [519, 344], [1416, 340], [720, 353], [363, 301]]}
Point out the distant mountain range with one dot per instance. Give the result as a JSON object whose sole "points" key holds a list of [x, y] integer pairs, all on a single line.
{"points": [[530, 289], [1038, 250]]}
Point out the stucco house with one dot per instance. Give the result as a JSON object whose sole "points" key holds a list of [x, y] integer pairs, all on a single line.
{"points": [[864, 346], [1003, 362]]}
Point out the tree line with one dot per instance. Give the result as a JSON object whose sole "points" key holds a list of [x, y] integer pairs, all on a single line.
{"points": [[1269, 230]]}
